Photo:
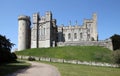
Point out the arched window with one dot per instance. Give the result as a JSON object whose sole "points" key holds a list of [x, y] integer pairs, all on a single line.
{"points": [[44, 31], [75, 35], [69, 36], [81, 35]]}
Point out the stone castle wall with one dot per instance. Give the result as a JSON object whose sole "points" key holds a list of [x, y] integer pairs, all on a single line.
{"points": [[104, 43], [45, 33]]}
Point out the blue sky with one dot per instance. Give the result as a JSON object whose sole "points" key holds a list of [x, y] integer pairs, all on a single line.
{"points": [[108, 12]]}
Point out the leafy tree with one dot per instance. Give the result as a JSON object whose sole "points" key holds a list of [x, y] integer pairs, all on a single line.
{"points": [[5, 43], [116, 57], [116, 41], [5, 50]]}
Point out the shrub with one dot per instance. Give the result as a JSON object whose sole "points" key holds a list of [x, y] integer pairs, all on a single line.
{"points": [[31, 58], [116, 41], [14, 57], [5, 50], [116, 57]]}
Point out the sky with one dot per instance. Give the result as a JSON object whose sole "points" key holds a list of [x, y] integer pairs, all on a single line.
{"points": [[108, 12]]}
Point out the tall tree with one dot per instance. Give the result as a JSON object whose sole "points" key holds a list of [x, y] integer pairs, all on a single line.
{"points": [[116, 41], [5, 43], [5, 47]]}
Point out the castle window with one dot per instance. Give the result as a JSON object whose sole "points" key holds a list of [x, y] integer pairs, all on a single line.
{"points": [[69, 36], [40, 32], [75, 35], [89, 25], [89, 30], [88, 36], [80, 35], [44, 31]]}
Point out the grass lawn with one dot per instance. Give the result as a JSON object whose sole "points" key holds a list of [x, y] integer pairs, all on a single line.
{"points": [[12, 67], [82, 53], [85, 70]]}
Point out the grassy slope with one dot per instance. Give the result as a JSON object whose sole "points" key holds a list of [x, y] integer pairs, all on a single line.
{"points": [[83, 53], [84, 70], [12, 67]]}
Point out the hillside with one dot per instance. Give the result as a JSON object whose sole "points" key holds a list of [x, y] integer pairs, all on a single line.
{"points": [[82, 53]]}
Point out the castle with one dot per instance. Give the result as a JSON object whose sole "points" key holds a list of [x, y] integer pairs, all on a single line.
{"points": [[45, 33]]}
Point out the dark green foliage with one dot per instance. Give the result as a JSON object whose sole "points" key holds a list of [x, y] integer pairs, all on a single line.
{"points": [[5, 53], [116, 57], [14, 57], [5, 43], [31, 58], [116, 41]]}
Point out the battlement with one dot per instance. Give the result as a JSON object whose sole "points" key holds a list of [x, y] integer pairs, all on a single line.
{"points": [[45, 32], [23, 17]]}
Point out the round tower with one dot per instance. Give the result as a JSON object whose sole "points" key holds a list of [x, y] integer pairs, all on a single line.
{"points": [[24, 33]]}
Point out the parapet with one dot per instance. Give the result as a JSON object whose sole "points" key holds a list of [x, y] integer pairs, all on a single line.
{"points": [[23, 17], [48, 13]]}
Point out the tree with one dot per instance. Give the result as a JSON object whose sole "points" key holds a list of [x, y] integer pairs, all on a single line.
{"points": [[116, 41], [5, 49], [116, 57], [5, 43]]}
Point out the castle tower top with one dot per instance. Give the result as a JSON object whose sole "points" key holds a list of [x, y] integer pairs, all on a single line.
{"points": [[48, 16], [48, 13], [23, 32], [94, 16], [36, 18], [23, 17]]}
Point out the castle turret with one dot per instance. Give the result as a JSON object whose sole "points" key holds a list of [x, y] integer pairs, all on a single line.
{"points": [[95, 33], [23, 32], [35, 30], [48, 16]]}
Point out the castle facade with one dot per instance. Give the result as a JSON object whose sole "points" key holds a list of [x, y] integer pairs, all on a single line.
{"points": [[45, 32]]}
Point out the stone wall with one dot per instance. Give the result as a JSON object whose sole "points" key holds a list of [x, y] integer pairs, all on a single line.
{"points": [[69, 61], [104, 43]]}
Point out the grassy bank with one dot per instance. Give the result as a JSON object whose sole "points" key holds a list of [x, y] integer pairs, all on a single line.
{"points": [[83, 53], [9, 68], [84, 70]]}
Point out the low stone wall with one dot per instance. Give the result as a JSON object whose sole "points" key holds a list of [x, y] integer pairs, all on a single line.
{"points": [[103, 43], [69, 61]]}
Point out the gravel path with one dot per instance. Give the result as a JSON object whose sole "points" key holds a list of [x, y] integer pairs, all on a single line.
{"points": [[38, 69]]}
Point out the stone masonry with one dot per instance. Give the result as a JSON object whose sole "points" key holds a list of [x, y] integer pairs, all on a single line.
{"points": [[45, 33]]}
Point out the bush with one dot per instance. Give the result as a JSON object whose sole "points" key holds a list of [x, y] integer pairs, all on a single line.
{"points": [[116, 41], [31, 58], [5, 50], [14, 57], [116, 57]]}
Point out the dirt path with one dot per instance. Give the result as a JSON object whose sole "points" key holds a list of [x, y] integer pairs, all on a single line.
{"points": [[38, 69]]}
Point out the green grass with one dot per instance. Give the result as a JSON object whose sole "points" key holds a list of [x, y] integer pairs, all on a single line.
{"points": [[9, 68], [85, 70], [83, 53]]}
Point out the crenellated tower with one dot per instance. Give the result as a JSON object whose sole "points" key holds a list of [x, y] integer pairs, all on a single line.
{"points": [[95, 33], [35, 31], [24, 32], [43, 31]]}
